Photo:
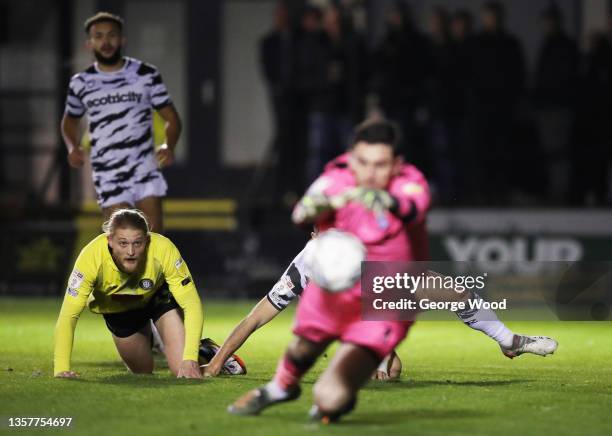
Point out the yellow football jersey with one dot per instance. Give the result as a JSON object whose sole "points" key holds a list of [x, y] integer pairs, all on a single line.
{"points": [[96, 281]]}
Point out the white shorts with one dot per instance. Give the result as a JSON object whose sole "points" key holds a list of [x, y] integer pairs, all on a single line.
{"points": [[151, 184]]}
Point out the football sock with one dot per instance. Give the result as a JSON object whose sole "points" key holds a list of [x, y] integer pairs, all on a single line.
{"points": [[486, 321], [288, 374], [275, 392]]}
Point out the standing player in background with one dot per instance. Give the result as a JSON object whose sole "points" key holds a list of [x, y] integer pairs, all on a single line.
{"points": [[133, 276], [118, 95]]}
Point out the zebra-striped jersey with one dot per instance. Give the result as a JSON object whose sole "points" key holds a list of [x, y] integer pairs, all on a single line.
{"points": [[119, 107], [292, 282]]}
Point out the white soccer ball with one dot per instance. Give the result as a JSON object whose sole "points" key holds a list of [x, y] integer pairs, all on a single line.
{"points": [[334, 260]]}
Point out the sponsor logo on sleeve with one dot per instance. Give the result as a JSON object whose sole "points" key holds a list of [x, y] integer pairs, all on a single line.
{"points": [[287, 282], [412, 188], [72, 292], [283, 287], [178, 263], [186, 281], [76, 279], [281, 294]]}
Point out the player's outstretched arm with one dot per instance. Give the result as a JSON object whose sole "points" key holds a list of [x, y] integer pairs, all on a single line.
{"points": [[71, 132], [183, 289], [64, 335], [261, 314], [80, 286], [194, 318]]}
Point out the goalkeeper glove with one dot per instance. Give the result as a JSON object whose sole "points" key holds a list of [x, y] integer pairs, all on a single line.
{"points": [[377, 200], [312, 206]]}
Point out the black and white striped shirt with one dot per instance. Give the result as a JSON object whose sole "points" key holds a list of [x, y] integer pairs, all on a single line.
{"points": [[119, 107], [292, 283]]}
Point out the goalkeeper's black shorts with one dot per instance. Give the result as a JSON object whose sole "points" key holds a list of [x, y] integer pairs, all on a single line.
{"points": [[125, 324]]}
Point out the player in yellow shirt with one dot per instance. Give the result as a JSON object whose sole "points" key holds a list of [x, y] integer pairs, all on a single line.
{"points": [[131, 275]]}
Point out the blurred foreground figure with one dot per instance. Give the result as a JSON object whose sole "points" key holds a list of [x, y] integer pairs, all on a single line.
{"points": [[377, 198]]}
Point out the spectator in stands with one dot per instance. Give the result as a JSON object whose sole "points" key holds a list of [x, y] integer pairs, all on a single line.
{"points": [[402, 64], [277, 58], [441, 105], [595, 107], [497, 83], [330, 71], [462, 151], [554, 98]]}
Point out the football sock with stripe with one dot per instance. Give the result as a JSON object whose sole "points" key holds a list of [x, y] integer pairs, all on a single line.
{"points": [[287, 375], [486, 321]]}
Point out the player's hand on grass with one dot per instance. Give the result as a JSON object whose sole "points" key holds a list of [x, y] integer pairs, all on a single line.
{"points": [[66, 374], [189, 369], [76, 157], [165, 156], [210, 371]]}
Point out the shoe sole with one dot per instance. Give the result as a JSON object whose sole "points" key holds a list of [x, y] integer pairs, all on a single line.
{"points": [[234, 411]]}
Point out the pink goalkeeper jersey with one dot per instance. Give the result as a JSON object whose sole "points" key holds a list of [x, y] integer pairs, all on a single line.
{"points": [[399, 236]]}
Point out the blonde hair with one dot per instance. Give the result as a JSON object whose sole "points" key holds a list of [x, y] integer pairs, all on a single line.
{"points": [[122, 218]]}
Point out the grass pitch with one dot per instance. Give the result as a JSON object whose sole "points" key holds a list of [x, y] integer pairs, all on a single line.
{"points": [[455, 381]]}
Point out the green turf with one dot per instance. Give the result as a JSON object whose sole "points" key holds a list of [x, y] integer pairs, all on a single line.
{"points": [[455, 381]]}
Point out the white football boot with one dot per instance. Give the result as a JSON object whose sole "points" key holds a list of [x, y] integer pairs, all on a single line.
{"points": [[521, 344]]}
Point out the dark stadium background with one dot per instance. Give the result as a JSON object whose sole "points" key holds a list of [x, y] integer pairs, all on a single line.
{"points": [[226, 210]]}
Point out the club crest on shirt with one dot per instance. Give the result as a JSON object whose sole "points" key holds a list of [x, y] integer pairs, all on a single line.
{"points": [[382, 221], [91, 83], [146, 284]]}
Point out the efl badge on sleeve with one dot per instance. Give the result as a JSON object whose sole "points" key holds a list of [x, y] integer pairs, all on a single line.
{"points": [[76, 279]]}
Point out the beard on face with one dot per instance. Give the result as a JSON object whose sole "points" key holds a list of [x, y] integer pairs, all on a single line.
{"points": [[119, 262], [112, 60]]}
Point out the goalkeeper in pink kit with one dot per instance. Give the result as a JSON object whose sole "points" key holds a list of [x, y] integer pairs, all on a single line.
{"points": [[375, 196]]}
